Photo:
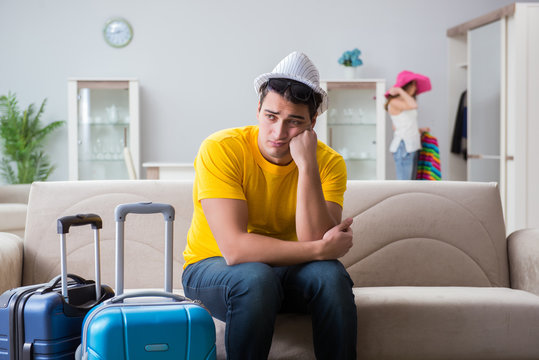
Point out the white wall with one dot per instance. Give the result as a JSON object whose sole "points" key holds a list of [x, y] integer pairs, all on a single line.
{"points": [[196, 60]]}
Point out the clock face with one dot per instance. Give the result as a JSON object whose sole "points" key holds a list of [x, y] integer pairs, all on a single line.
{"points": [[118, 33]]}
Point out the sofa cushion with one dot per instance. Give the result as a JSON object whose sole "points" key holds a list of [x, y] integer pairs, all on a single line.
{"points": [[426, 233], [447, 323], [144, 234]]}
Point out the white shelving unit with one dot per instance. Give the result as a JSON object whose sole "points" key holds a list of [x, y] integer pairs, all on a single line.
{"points": [[354, 125], [103, 120]]}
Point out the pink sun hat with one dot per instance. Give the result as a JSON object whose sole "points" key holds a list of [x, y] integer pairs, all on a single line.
{"points": [[422, 82]]}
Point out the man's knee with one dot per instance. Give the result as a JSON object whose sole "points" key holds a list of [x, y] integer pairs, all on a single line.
{"points": [[257, 281], [330, 272], [329, 282], [257, 293]]}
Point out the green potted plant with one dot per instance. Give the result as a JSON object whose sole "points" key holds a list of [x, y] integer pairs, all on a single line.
{"points": [[22, 137]]}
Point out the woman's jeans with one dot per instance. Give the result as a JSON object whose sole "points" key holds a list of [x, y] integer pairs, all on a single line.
{"points": [[405, 163], [249, 296]]}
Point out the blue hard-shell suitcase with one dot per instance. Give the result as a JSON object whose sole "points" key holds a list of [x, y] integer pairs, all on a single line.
{"points": [[44, 321], [147, 324]]}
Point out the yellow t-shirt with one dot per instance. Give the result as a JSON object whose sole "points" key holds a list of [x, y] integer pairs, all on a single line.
{"points": [[229, 165]]}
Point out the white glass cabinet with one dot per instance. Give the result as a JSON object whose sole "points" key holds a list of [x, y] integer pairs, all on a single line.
{"points": [[354, 126], [103, 123]]}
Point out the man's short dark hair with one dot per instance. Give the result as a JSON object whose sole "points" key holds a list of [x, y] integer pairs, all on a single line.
{"points": [[312, 103]]}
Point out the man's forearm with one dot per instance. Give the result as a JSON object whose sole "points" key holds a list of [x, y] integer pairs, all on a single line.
{"points": [[313, 218], [250, 247]]}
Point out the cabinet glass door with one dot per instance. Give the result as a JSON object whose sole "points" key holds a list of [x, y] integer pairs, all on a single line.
{"points": [[103, 130], [352, 128]]}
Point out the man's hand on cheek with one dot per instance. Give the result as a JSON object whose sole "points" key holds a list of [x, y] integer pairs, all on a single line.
{"points": [[303, 147]]}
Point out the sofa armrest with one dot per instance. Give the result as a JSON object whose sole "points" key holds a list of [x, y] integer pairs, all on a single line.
{"points": [[523, 252], [11, 247]]}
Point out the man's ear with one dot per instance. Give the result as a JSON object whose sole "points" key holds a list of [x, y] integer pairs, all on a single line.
{"points": [[313, 121]]}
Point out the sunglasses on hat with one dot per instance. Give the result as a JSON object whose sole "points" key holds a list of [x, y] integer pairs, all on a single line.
{"points": [[298, 90]]}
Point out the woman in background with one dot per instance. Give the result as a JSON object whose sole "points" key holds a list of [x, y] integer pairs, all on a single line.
{"points": [[402, 108]]}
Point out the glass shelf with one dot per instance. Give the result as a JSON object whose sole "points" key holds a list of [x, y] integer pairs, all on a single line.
{"points": [[360, 159], [350, 124], [104, 124], [102, 160]]}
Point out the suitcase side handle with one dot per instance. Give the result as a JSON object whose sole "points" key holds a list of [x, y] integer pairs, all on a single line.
{"points": [[122, 210], [51, 285], [64, 223], [147, 293], [120, 214]]}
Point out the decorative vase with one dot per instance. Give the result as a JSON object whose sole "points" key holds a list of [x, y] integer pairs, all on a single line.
{"points": [[350, 72]]}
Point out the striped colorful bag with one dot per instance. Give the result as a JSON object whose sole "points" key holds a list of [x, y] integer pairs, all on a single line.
{"points": [[428, 164]]}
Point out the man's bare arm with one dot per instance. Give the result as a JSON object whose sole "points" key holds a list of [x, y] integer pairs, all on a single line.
{"points": [[227, 219], [314, 215]]}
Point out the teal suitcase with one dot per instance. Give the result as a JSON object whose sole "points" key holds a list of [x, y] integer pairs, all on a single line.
{"points": [[147, 325]]}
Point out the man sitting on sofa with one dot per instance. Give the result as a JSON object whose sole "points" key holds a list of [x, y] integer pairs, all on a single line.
{"points": [[266, 229]]}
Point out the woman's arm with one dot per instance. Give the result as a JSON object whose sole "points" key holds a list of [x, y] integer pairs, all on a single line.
{"points": [[407, 102]]}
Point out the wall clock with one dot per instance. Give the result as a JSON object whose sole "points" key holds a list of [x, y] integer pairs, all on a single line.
{"points": [[118, 32]]}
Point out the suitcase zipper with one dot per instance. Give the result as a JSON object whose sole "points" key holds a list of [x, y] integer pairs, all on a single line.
{"points": [[11, 303], [18, 321]]}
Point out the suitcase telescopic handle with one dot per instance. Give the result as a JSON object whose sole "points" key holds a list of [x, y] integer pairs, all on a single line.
{"points": [[120, 213], [122, 210], [63, 224]]}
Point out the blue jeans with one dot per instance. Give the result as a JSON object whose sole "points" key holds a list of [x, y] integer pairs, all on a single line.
{"points": [[249, 296], [405, 163]]}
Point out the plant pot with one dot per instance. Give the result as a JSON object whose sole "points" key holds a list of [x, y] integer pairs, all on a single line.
{"points": [[350, 72]]}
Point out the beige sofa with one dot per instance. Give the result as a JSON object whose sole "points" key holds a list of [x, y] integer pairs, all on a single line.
{"points": [[435, 276]]}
